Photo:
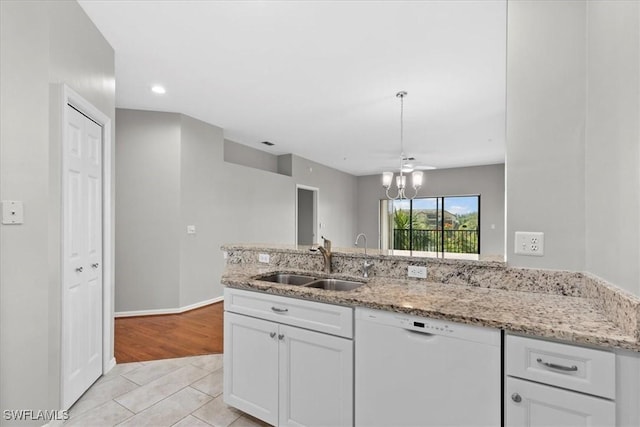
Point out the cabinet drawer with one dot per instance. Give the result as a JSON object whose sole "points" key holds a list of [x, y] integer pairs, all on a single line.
{"points": [[317, 316], [562, 365]]}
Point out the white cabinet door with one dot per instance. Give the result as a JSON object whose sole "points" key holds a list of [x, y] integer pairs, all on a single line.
{"points": [[316, 379], [251, 366], [535, 405]]}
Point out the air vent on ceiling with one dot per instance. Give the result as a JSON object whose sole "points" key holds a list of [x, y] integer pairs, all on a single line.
{"points": [[269, 143]]}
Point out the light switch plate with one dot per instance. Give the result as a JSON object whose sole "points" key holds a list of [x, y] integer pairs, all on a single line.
{"points": [[529, 243], [191, 229], [416, 271], [264, 258], [12, 212]]}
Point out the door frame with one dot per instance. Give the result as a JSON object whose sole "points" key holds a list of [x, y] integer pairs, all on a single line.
{"points": [[316, 201], [71, 97]]}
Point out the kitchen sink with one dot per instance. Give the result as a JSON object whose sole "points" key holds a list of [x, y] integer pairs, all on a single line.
{"points": [[334, 284], [288, 279]]}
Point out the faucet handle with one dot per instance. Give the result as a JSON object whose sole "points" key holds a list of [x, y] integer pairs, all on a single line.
{"points": [[326, 243]]}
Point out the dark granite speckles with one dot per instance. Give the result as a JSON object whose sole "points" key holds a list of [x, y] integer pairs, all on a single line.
{"points": [[554, 304]]}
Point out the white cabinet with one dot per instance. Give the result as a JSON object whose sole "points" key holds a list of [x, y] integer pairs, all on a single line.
{"points": [[574, 386], [251, 366], [283, 374], [537, 405]]}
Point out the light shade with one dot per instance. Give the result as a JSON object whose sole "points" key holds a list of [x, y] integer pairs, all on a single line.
{"points": [[387, 179], [417, 179]]}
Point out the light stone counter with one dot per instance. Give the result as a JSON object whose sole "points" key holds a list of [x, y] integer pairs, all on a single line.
{"points": [[556, 305]]}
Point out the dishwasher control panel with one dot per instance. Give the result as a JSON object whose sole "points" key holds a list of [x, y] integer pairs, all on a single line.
{"points": [[426, 325]]}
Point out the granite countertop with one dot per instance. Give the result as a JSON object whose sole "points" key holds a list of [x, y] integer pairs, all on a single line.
{"points": [[573, 319]]}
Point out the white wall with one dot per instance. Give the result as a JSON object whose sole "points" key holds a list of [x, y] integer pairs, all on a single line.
{"points": [[546, 55], [573, 120], [488, 181], [613, 143], [42, 44]]}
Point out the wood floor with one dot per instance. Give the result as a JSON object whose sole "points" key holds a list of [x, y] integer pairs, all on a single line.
{"points": [[193, 333]]}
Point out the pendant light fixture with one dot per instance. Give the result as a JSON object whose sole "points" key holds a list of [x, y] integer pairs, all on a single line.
{"points": [[401, 179]]}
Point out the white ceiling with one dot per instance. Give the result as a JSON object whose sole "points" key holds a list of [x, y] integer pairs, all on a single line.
{"points": [[319, 78]]}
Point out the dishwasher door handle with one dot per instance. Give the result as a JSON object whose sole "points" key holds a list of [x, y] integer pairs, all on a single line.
{"points": [[423, 334]]}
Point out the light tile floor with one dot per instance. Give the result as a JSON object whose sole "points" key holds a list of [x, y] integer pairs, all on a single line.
{"points": [[184, 392]]}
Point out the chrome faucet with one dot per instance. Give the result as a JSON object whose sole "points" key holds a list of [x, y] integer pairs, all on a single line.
{"points": [[366, 265], [325, 250]]}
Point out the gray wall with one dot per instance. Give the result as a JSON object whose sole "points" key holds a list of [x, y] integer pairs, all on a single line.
{"points": [[42, 44], [613, 143], [337, 199], [148, 226], [488, 181], [171, 173], [247, 156], [305, 217], [199, 206], [573, 157]]}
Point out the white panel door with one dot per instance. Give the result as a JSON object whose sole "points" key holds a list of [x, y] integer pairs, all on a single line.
{"points": [[251, 366], [82, 256], [529, 404], [316, 378]]}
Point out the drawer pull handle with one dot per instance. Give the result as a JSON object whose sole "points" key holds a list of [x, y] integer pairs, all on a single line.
{"points": [[281, 337], [571, 368], [516, 398], [272, 334], [279, 310]]}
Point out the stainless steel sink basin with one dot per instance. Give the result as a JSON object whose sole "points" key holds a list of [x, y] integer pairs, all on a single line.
{"points": [[334, 284], [288, 279]]}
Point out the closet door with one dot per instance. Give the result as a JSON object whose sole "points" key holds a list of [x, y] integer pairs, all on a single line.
{"points": [[82, 256]]}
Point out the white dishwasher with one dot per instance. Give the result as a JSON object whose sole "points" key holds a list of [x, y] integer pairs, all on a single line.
{"points": [[419, 372]]}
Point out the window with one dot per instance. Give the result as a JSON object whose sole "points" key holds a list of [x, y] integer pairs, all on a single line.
{"points": [[432, 226]]}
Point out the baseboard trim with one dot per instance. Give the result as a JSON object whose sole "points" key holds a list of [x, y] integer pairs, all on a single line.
{"points": [[109, 365], [167, 310]]}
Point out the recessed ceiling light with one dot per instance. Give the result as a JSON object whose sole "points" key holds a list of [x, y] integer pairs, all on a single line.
{"points": [[158, 89]]}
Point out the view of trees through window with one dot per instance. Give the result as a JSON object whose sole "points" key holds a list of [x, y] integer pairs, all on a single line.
{"points": [[436, 224]]}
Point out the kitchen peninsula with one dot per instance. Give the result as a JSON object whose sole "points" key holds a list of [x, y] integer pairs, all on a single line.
{"points": [[551, 345]]}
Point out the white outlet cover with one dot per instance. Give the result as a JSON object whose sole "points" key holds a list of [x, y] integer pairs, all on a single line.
{"points": [[529, 243], [264, 258], [417, 271]]}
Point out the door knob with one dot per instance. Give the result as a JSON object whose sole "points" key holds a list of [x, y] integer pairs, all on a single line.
{"points": [[79, 269], [516, 398]]}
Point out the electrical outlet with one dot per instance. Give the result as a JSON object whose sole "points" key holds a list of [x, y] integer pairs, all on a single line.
{"points": [[529, 243], [417, 271], [264, 258]]}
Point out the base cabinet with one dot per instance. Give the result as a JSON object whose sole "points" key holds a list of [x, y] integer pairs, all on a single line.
{"points": [[529, 404], [285, 375], [557, 384], [251, 366]]}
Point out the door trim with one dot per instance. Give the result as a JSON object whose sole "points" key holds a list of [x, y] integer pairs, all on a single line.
{"points": [[71, 97], [316, 201]]}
